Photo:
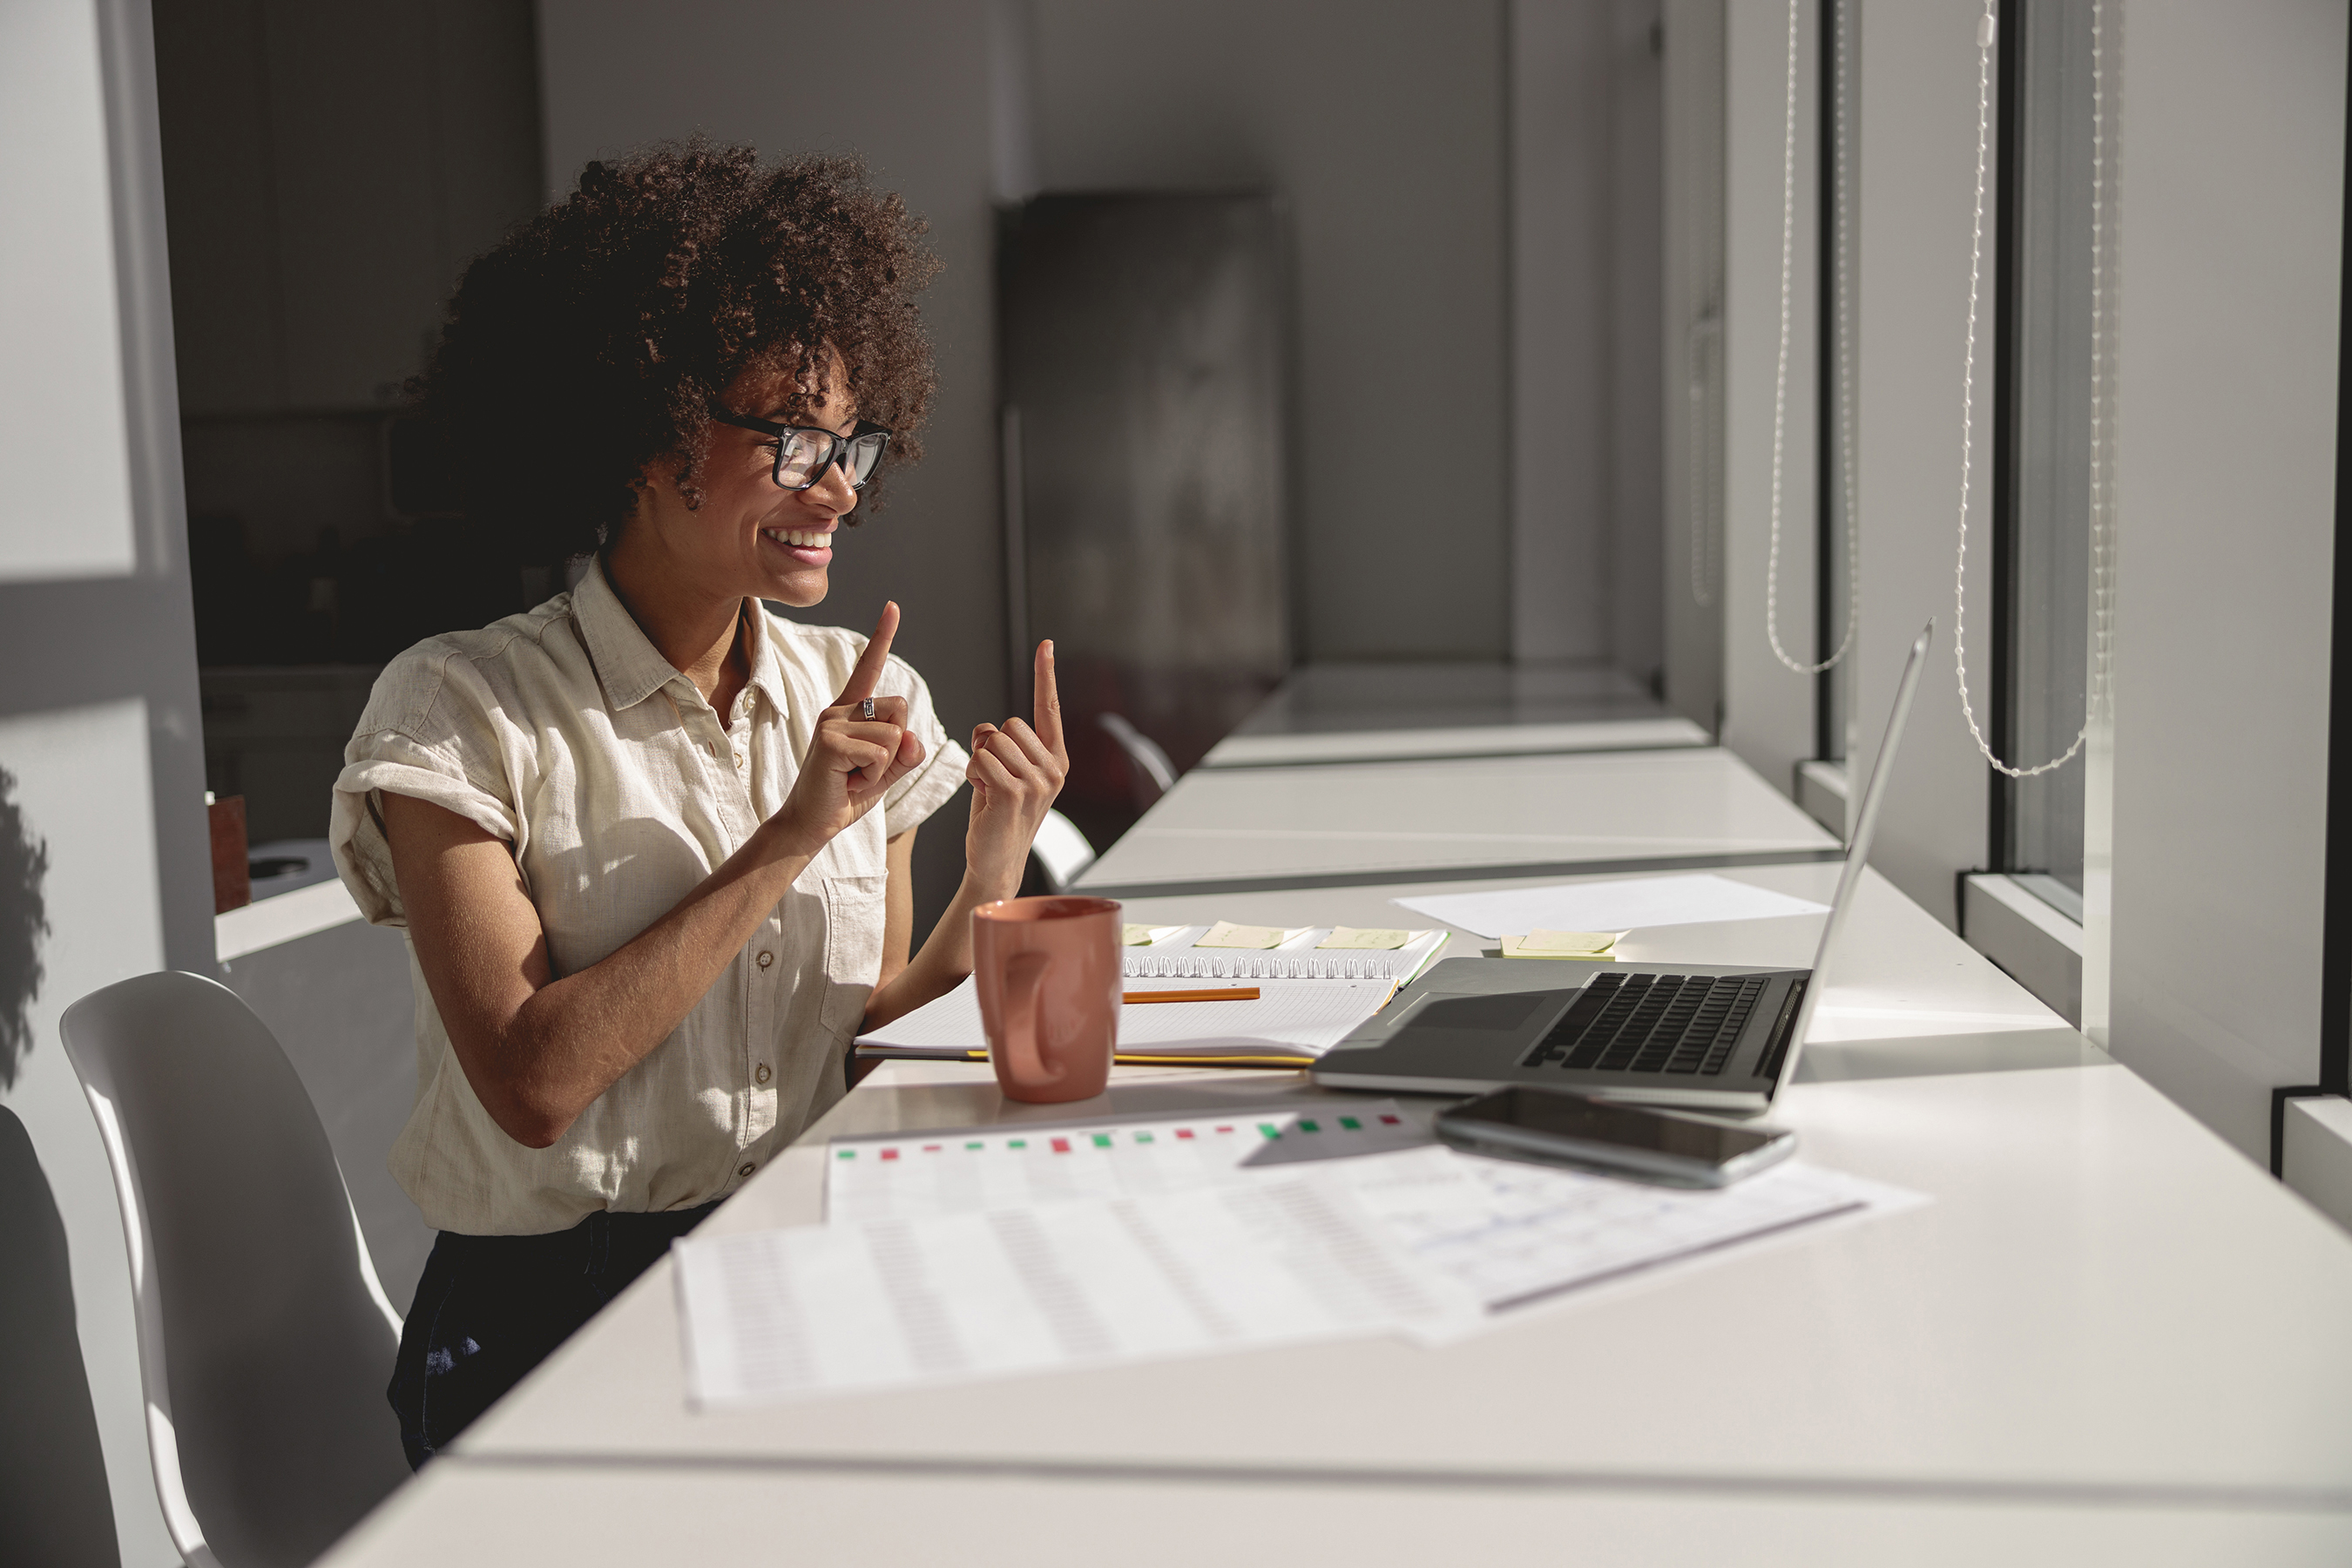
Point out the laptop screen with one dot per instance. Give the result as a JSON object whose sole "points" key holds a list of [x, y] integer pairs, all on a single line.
{"points": [[1865, 822]]}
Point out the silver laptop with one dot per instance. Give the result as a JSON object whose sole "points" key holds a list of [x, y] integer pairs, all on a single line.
{"points": [[1715, 1038]]}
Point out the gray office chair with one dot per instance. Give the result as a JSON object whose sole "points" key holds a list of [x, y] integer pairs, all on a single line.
{"points": [[1146, 763], [264, 1341], [1061, 851]]}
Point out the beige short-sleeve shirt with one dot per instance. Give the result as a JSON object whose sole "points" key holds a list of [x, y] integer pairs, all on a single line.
{"points": [[565, 732]]}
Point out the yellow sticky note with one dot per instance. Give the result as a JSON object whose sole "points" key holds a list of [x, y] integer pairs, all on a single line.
{"points": [[1367, 939], [1560, 944], [1135, 936], [1224, 933]]}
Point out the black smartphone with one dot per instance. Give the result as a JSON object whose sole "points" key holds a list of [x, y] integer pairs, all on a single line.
{"points": [[1558, 1127]]}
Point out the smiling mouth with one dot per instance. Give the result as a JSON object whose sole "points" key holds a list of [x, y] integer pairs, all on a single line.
{"points": [[803, 538]]}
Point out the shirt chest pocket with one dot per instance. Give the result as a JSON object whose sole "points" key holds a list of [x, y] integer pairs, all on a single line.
{"points": [[857, 909]]}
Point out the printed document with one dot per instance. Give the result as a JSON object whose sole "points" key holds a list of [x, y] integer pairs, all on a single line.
{"points": [[1015, 1165], [788, 1314], [1626, 905]]}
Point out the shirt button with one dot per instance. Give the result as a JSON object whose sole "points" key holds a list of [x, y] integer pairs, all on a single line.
{"points": [[762, 1074], [746, 1168], [741, 761], [766, 958]]}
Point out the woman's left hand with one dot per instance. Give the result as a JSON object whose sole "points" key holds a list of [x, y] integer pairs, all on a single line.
{"points": [[1016, 772]]}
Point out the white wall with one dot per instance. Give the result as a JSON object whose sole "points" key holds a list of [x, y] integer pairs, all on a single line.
{"points": [[2231, 214], [99, 726]]}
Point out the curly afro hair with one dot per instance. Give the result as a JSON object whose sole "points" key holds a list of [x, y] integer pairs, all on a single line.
{"points": [[593, 340]]}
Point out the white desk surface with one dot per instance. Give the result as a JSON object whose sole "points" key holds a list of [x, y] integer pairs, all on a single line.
{"points": [[2104, 1304], [590, 1516], [1245, 750], [1374, 822]]}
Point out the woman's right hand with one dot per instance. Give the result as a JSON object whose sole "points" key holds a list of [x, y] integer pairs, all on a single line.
{"points": [[852, 759]]}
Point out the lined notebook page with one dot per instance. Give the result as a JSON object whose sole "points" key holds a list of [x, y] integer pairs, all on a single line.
{"points": [[1291, 1018]]}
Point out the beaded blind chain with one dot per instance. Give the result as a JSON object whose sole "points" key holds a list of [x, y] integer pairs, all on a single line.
{"points": [[2102, 457], [1845, 368]]}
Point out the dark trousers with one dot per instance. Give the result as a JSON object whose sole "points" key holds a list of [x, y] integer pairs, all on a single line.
{"points": [[491, 1308]]}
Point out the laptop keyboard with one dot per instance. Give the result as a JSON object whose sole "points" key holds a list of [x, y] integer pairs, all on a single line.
{"points": [[1652, 1023]]}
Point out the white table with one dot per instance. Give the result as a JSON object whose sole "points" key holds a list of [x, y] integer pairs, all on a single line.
{"points": [[1374, 712], [628, 1515], [1365, 824], [1660, 733], [2108, 1337]]}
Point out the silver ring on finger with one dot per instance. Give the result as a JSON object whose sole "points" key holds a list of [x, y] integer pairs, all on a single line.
{"points": [[866, 708]]}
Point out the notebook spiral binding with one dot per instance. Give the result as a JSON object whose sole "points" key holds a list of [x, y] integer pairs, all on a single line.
{"points": [[1196, 966]]}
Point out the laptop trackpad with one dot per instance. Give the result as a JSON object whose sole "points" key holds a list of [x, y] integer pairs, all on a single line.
{"points": [[1452, 1031], [1511, 1010]]}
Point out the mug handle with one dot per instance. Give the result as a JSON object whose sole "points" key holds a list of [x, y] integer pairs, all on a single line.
{"points": [[1024, 978]]}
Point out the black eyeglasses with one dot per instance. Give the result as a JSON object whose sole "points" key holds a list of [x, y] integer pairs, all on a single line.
{"points": [[804, 453]]}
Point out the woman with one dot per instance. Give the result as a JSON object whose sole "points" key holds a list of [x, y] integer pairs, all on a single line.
{"points": [[650, 841]]}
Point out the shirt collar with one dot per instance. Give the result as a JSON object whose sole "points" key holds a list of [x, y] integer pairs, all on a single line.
{"points": [[766, 659], [627, 664], [631, 669]]}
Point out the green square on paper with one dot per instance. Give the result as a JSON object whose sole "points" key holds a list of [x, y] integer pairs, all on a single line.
{"points": [[1270, 1129], [1309, 1127], [845, 1154], [975, 1143], [1102, 1140], [1143, 1136], [1017, 1143], [1351, 1124]]}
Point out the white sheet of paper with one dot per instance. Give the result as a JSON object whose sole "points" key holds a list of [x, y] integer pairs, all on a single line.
{"points": [[915, 1175], [1623, 905], [787, 1314], [1298, 1018], [1511, 1232]]}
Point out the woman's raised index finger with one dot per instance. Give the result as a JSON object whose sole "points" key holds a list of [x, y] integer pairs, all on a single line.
{"points": [[1048, 720], [868, 675]]}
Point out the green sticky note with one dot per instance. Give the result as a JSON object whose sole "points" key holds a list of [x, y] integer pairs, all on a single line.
{"points": [[1270, 1129], [1351, 1124], [1561, 944], [1016, 1143], [1102, 1140], [1305, 1126], [845, 1154], [975, 1143], [1143, 1136]]}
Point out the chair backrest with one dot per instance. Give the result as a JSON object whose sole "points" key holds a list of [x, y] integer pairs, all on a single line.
{"points": [[1146, 763], [1062, 851], [264, 1341]]}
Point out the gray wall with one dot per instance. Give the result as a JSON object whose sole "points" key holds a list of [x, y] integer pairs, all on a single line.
{"points": [[1384, 132], [1919, 91], [99, 726], [2231, 228], [1586, 224], [1768, 709]]}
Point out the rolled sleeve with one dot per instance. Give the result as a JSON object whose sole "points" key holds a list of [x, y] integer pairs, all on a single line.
{"points": [[389, 758]]}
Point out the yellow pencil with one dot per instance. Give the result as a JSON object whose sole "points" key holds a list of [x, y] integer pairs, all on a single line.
{"points": [[1230, 993]]}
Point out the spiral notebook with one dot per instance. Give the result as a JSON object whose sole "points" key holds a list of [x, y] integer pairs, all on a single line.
{"points": [[1175, 952]]}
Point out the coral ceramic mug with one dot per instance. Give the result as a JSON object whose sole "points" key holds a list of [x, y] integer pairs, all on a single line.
{"points": [[1047, 973]]}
